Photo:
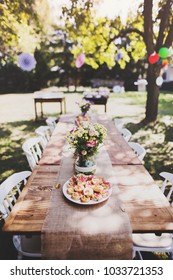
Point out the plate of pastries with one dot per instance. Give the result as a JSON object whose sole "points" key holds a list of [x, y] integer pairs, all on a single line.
{"points": [[87, 189]]}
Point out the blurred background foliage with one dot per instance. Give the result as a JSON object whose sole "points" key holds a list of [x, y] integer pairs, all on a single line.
{"points": [[56, 35], [56, 32]]}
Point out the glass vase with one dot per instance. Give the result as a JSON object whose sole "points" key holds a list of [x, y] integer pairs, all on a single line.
{"points": [[85, 165]]}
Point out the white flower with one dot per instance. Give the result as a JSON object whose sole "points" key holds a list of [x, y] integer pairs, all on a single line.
{"points": [[26, 61]]}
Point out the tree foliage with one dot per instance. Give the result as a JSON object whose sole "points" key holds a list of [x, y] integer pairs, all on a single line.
{"points": [[91, 34], [146, 32], [21, 27]]}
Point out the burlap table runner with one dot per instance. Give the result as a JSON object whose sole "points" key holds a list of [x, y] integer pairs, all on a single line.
{"points": [[73, 231]]}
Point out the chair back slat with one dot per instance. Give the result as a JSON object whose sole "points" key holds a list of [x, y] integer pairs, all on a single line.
{"points": [[170, 193], [38, 152], [9, 201], [5, 210], [12, 193], [18, 187]]}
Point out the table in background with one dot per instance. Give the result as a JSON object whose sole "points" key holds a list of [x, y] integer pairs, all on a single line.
{"points": [[98, 100], [48, 97]]}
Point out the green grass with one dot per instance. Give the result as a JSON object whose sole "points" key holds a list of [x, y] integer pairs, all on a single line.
{"points": [[157, 138], [12, 136]]}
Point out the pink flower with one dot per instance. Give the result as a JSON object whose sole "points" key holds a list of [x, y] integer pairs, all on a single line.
{"points": [[84, 152], [91, 132], [91, 143]]}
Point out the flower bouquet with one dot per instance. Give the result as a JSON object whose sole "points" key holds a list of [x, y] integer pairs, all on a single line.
{"points": [[84, 106], [85, 139]]}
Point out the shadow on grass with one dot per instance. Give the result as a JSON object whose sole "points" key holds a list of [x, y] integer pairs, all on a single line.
{"points": [[12, 136], [157, 140]]}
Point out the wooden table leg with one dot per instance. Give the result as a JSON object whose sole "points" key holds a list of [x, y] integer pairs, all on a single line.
{"points": [[64, 105], [35, 107], [61, 107], [41, 105]]}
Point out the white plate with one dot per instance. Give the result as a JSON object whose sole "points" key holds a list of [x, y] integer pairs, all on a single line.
{"points": [[91, 202]]}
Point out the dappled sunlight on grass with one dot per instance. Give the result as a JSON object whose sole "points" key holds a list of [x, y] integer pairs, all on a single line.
{"points": [[156, 140], [165, 104], [12, 136]]}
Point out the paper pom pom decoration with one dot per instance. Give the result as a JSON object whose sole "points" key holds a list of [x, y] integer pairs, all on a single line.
{"points": [[159, 81], [80, 60], [164, 62], [153, 58], [164, 52], [26, 61], [118, 56]]}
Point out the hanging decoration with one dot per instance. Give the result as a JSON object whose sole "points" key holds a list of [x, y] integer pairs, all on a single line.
{"points": [[118, 56], [26, 61], [80, 60], [164, 62], [159, 81], [153, 58], [161, 58], [164, 52]]}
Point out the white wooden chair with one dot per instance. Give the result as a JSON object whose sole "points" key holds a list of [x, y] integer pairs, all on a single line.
{"points": [[150, 242], [28, 246], [118, 123], [138, 150], [126, 133], [44, 132], [51, 122], [167, 185], [33, 149]]}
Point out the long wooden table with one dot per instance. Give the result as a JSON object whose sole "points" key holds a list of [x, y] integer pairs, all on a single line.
{"points": [[147, 207]]}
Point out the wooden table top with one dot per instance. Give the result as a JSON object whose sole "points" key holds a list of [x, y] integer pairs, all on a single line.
{"points": [[147, 207], [52, 154], [45, 95], [31, 207]]}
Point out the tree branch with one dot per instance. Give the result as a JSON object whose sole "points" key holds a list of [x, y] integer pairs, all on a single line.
{"points": [[169, 38], [123, 33], [165, 13], [148, 26]]}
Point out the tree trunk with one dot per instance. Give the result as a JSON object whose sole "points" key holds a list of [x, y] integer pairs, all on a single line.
{"points": [[153, 92]]}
